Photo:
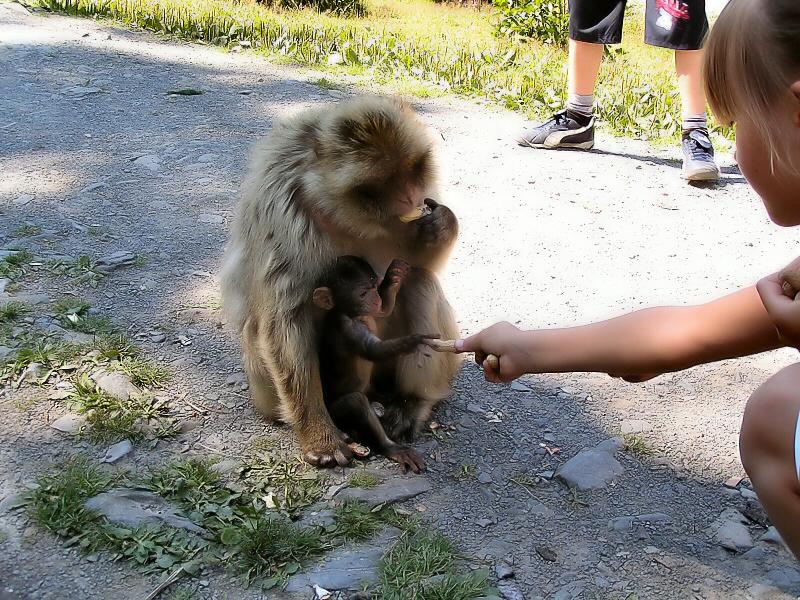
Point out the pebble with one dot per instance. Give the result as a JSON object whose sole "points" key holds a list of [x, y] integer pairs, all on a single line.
{"points": [[211, 219], [115, 383], [69, 423], [136, 507], [509, 591], [520, 387], [484, 522], [117, 451], [593, 468], [395, 490], [474, 408], [151, 162], [772, 536], [484, 478], [730, 531], [503, 570], [23, 199], [625, 523], [546, 553], [115, 260]]}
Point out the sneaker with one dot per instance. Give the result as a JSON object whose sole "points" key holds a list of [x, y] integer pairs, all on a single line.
{"points": [[562, 131], [698, 156]]}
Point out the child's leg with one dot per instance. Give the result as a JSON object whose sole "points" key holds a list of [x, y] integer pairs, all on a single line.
{"points": [[769, 445], [689, 67]]}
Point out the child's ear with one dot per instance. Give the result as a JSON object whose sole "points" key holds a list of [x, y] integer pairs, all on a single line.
{"points": [[795, 89], [323, 298]]}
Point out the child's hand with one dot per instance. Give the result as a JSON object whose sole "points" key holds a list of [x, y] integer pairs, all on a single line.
{"points": [[784, 311], [503, 340]]}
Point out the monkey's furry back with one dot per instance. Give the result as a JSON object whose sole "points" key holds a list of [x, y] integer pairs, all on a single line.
{"points": [[276, 252]]}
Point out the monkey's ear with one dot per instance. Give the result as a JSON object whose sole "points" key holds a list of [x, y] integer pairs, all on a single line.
{"points": [[323, 298]]}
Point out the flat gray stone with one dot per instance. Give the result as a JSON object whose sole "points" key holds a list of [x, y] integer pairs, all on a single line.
{"points": [[3, 284], [33, 299], [115, 260], [395, 490], [115, 384], [69, 423], [347, 568], [520, 387], [510, 591], [135, 507], [226, 466], [635, 426], [211, 218], [23, 199], [151, 162], [77, 337], [730, 531], [6, 352], [772, 536], [593, 468], [117, 451]]}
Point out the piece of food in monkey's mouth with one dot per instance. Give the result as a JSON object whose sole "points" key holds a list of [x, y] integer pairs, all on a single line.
{"points": [[791, 282], [417, 213]]}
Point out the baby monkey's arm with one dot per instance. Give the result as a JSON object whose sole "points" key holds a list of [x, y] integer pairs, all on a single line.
{"points": [[367, 345], [395, 275]]}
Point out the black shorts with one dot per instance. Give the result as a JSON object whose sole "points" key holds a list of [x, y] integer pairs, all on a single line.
{"points": [[675, 24]]}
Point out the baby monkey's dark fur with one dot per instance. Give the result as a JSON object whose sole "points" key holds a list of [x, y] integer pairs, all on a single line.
{"points": [[349, 346]]}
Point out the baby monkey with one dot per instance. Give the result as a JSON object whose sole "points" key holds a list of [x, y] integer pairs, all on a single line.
{"points": [[349, 346]]}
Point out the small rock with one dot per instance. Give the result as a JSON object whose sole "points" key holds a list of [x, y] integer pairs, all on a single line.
{"points": [[651, 550], [772, 536], [570, 591], [626, 523], [6, 352], [549, 437], [77, 337], [635, 426], [321, 517], [520, 387], [14, 501], [116, 384], [33, 299], [730, 531], [547, 474], [151, 162], [593, 468], [23, 199], [3, 284], [117, 451], [93, 187], [345, 568], [121, 258], [503, 570], [158, 338], [34, 372], [204, 158], [135, 507], [509, 591], [748, 494], [188, 425], [733, 482], [484, 522], [484, 478], [474, 408], [546, 553], [211, 219], [395, 490], [69, 423], [536, 508]]}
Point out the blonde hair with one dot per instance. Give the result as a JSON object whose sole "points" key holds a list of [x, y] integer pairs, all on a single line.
{"points": [[752, 58]]}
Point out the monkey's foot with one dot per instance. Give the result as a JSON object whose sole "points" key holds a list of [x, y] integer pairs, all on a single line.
{"points": [[408, 458], [328, 452], [359, 450]]}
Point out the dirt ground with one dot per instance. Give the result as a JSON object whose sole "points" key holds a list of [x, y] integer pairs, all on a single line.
{"points": [[547, 239]]}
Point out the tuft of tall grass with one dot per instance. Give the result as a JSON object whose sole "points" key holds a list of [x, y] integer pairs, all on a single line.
{"points": [[394, 46]]}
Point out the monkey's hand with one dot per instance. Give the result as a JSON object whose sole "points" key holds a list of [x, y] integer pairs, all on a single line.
{"points": [[408, 458], [439, 228], [327, 450], [396, 273]]}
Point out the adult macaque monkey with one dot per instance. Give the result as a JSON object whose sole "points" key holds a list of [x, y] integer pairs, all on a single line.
{"points": [[357, 178], [349, 346]]}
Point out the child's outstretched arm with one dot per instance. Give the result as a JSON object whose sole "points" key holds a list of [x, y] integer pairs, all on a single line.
{"points": [[634, 346]]}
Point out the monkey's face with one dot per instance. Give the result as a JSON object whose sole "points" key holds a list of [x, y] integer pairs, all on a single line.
{"points": [[379, 161], [361, 300]]}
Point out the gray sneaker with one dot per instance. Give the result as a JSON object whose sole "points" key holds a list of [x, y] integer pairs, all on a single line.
{"points": [[698, 156], [564, 130]]}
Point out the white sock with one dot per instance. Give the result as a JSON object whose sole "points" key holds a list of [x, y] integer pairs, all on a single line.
{"points": [[695, 121], [583, 105]]}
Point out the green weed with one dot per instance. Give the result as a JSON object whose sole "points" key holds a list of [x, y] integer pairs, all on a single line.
{"points": [[361, 478], [285, 484], [27, 230], [73, 313], [636, 443], [355, 521], [11, 311], [115, 346], [81, 270], [141, 372], [14, 265]]}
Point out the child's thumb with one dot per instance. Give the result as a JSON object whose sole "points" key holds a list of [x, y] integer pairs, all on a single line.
{"points": [[470, 344]]}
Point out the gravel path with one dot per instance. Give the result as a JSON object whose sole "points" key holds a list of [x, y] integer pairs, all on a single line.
{"points": [[94, 151]]}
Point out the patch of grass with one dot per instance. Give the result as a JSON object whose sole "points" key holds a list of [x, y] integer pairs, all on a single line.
{"points": [[115, 346], [27, 230], [327, 84], [58, 505], [416, 40], [283, 483], [363, 479], [141, 372], [3, 535], [636, 443], [423, 566], [11, 311], [73, 313], [52, 355], [110, 418], [13, 265], [81, 270], [181, 593], [272, 549], [466, 472], [355, 521]]}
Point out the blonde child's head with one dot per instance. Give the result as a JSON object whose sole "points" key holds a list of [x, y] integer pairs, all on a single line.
{"points": [[752, 77]]}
